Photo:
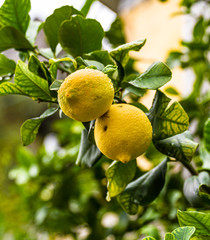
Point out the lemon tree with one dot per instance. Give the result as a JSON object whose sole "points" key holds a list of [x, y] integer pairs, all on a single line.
{"points": [[101, 91]]}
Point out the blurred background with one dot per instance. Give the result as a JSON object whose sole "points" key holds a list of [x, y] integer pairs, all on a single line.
{"points": [[43, 195]]}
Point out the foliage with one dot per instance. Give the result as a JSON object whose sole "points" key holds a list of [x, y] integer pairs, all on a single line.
{"points": [[61, 178], [194, 57]]}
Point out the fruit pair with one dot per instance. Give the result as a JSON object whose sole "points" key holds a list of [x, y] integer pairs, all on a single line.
{"points": [[122, 131]]}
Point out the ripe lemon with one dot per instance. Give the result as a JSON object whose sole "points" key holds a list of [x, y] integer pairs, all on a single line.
{"points": [[123, 133], [86, 95]]}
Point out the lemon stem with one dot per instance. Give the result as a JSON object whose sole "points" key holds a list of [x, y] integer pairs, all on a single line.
{"points": [[190, 168], [119, 99]]}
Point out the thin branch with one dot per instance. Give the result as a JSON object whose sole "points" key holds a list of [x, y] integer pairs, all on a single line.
{"points": [[119, 99], [190, 168], [48, 101]]}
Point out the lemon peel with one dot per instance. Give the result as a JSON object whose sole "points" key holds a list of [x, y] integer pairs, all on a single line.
{"points": [[86, 95], [123, 133]]}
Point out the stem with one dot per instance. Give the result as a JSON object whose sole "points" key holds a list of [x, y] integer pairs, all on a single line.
{"points": [[48, 101], [190, 168], [119, 99]]}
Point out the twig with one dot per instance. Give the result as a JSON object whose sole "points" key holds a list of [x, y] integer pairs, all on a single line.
{"points": [[190, 168]]}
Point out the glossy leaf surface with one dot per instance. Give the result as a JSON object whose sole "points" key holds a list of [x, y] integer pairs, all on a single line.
{"points": [[89, 154], [143, 190], [15, 13], [76, 29], [13, 38], [154, 77], [7, 88], [181, 146], [7, 66], [30, 127], [167, 120], [53, 22], [121, 52], [183, 233], [119, 175], [30, 83], [169, 236], [195, 189], [201, 221]]}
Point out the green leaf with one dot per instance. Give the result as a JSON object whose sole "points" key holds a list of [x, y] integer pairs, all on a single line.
{"points": [[181, 146], [148, 229], [199, 29], [183, 233], [169, 236], [68, 64], [30, 83], [167, 120], [119, 175], [109, 70], [116, 33], [7, 66], [7, 88], [38, 68], [172, 91], [121, 52], [32, 31], [65, 59], [15, 13], [101, 56], [30, 127], [205, 156], [79, 35], [94, 64], [134, 90], [206, 134], [204, 193], [81, 63], [204, 188], [143, 190], [194, 189], [90, 130], [174, 59], [154, 77], [201, 221], [53, 70], [56, 85], [13, 38], [53, 22], [88, 152]]}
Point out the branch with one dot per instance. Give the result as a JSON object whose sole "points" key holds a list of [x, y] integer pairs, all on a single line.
{"points": [[190, 168]]}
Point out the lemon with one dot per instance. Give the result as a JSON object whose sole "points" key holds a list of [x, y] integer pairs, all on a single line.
{"points": [[86, 95], [123, 133]]}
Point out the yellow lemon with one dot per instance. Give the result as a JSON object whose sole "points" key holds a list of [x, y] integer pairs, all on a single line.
{"points": [[86, 95], [123, 133]]}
